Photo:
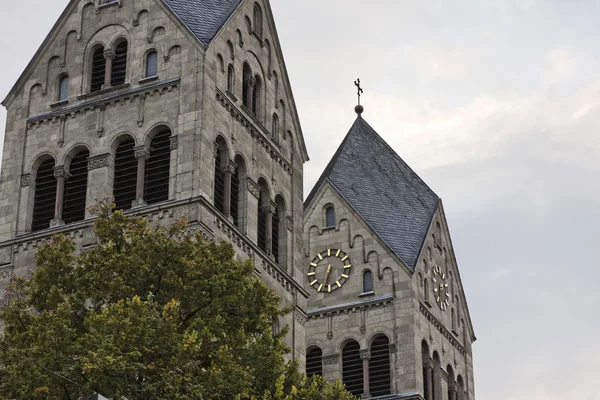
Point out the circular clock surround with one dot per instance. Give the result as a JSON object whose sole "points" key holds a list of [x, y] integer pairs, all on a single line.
{"points": [[329, 270], [440, 288]]}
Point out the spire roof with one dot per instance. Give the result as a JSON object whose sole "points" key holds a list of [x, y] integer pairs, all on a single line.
{"points": [[382, 189]]}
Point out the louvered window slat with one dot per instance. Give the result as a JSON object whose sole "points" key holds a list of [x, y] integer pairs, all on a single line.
{"points": [[235, 196], [379, 367], [158, 169], [352, 368], [219, 184], [76, 189], [98, 70], [314, 362], [125, 175], [275, 235], [119, 65], [44, 197], [262, 224]]}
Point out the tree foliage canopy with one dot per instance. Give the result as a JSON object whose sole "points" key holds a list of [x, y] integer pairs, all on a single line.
{"points": [[146, 313]]}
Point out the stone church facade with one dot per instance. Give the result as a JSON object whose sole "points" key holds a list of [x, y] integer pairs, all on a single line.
{"points": [[183, 108]]}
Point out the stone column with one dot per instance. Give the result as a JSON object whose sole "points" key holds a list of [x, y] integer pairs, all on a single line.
{"points": [[228, 171], [269, 211], [250, 93], [100, 180], [109, 56], [141, 154], [452, 391], [61, 175], [365, 355]]}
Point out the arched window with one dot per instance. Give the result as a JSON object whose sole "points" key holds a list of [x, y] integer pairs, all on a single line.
{"points": [[63, 88], [119, 64], [426, 290], [258, 20], [314, 362], [367, 281], [379, 367], [44, 199], [460, 388], [76, 188], [329, 217], [426, 371], [248, 82], [264, 202], [158, 168], [98, 69], [279, 232], [221, 160], [436, 387], [257, 96], [275, 128], [352, 368], [230, 78], [451, 383], [125, 182], [453, 314], [151, 63], [238, 193]]}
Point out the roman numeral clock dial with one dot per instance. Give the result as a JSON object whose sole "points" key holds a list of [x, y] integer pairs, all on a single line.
{"points": [[329, 270], [440, 288]]}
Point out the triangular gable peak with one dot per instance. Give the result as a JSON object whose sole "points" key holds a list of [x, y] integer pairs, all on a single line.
{"points": [[383, 189]]}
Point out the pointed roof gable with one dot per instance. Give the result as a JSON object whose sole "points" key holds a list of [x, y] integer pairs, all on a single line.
{"points": [[383, 190], [204, 18]]}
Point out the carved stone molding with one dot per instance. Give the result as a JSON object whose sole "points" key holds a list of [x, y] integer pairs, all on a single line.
{"points": [[230, 167], [174, 143], [97, 162], [5, 274], [25, 179], [442, 329], [141, 152], [109, 54], [365, 354], [301, 317], [6, 255], [253, 188], [331, 359], [290, 224], [392, 347], [60, 172]]}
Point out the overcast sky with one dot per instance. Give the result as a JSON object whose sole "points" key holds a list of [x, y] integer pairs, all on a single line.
{"points": [[496, 104]]}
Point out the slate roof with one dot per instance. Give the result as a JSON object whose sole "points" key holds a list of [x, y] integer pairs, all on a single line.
{"points": [[203, 17], [383, 190]]}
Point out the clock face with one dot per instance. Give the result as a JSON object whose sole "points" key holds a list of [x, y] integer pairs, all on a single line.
{"points": [[329, 270], [440, 288]]}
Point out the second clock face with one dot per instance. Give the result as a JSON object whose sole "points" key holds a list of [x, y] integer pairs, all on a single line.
{"points": [[440, 288], [329, 270]]}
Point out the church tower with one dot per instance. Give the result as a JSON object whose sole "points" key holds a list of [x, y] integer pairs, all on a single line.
{"points": [[174, 108], [387, 314]]}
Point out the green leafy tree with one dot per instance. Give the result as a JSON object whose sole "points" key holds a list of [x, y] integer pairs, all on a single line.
{"points": [[146, 313]]}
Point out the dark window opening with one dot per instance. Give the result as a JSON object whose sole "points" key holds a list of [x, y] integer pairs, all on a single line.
{"points": [[275, 128], [235, 196], [379, 367], [330, 217], [45, 196], [230, 78], [63, 88], [119, 65], [219, 184], [151, 63], [314, 362], [76, 189], [98, 70], [258, 21], [262, 223], [246, 83], [125, 175], [158, 169], [352, 368], [367, 281], [257, 97], [426, 383], [275, 235]]}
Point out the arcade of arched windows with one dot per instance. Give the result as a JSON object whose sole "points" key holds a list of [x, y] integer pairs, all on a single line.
{"points": [[141, 176], [432, 377]]}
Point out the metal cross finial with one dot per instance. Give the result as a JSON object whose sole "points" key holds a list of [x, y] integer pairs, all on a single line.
{"points": [[360, 90]]}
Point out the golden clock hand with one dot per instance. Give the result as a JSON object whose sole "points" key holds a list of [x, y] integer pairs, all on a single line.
{"points": [[327, 274]]}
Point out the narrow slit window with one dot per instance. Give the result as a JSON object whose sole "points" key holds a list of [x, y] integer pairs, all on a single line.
{"points": [[76, 188], [158, 168], [44, 197], [151, 63], [63, 88], [98, 70], [125, 175], [314, 362], [379, 367], [258, 20]]}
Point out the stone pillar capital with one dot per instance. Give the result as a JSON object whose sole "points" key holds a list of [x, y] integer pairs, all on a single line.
{"points": [[251, 81], [109, 54], [230, 167], [141, 152], [270, 208], [365, 354], [60, 172]]}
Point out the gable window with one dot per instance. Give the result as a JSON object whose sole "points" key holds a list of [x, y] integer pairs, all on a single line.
{"points": [[119, 64], [258, 20], [329, 217], [314, 362], [44, 197], [151, 63], [63, 88], [379, 367], [98, 69], [367, 281]]}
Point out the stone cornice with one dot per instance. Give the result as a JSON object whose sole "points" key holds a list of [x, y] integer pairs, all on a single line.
{"points": [[256, 129], [353, 306], [445, 332], [53, 116]]}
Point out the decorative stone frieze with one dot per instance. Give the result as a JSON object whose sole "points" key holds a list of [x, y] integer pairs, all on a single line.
{"points": [[365, 354], [60, 172], [253, 188], [97, 162], [141, 152], [331, 359], [5, 255], [290, 224], [25, 179], [174, 143], [5, 274]]}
